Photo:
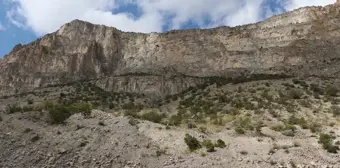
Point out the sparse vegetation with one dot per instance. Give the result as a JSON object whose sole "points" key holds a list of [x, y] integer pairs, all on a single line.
{"points": [[35, 138], [327, 143], [335, 110], [133, 121], [300, 82], [59, 113], [243, 124], [192, 142], [203, 130], [101, 123], [296, 144], [295, 93], [83, 108], [240, 130], [160, 152], [243, 152], [30, 101], [27, 108], [208, 145], [175, 120], [315, 127], [331, 90], [287, 129], [293, 120], [202, 153], [152, 116], [220, 144], [13, 108]]}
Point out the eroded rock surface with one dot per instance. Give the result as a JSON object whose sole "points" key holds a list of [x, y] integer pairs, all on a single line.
{"points": [[303, 42]]}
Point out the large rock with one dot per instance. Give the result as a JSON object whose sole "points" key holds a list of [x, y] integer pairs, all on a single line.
{"points": [[304, 42]]}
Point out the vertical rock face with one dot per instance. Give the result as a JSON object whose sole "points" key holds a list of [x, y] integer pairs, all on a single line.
{"points": [[300, 43]]}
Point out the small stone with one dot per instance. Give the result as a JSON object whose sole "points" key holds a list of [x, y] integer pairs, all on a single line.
{"points": [[35, 138], [62, 151]]}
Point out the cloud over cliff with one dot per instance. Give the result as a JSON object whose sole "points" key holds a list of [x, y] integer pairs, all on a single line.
{"points": [[44, 16]]}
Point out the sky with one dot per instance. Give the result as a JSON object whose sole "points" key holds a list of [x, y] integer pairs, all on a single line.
{"points": [[23, 21]]}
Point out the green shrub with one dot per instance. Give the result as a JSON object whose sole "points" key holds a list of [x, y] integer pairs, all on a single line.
{"points": [[84, 108], [13, 108], [295, 93], [298, 121], [287, 129], [203, 154], [132, 106], [62, 95], [244, 123], [27, 108], [240, 130], [208, 145], [243, 152], [278, 128], [316, 89], [327, 143], [305, 103], [30, 101], [274, 113], [111, 105], [131, 113], [38, 108], [192, 142], [330, 148], [234, 111], [315, 127], [133, 121], [335, 110], [218, 121], [203, 130], [331, 90], [326, 138], [101, 123], [267, 96], [48, 105], [153, 116], [160, 152], [300, 82], [191, 125], [59, 114], [175, 120], [220, 144]]}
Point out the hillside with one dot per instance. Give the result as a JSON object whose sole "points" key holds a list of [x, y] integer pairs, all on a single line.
{"points": [[258, 95]]}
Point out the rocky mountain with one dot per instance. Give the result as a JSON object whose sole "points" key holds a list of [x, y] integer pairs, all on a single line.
{"points": [[303, 42], [260, 95]]}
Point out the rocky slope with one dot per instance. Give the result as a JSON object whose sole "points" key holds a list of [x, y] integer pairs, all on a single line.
{"points": [[270, 91], [303, 42], [261, 125]]}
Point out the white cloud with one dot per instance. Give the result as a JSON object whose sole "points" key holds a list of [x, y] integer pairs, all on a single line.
{"points": [[2, 27], [294, 4], [45, 16]]}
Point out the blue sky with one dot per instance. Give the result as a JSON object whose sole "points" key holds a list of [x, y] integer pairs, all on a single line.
{"points": [[22, 21]]}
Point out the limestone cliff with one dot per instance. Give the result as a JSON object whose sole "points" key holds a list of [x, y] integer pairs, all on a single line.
{"points": [[303, 42]]}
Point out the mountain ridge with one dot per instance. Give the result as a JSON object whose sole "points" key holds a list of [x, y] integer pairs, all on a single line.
{"points": [[289, 44]]}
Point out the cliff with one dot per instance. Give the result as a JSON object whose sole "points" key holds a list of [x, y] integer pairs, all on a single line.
{"points": [[304, 42]]}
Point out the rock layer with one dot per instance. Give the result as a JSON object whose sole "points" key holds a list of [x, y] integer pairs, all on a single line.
{"points": [[303, 42]]}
